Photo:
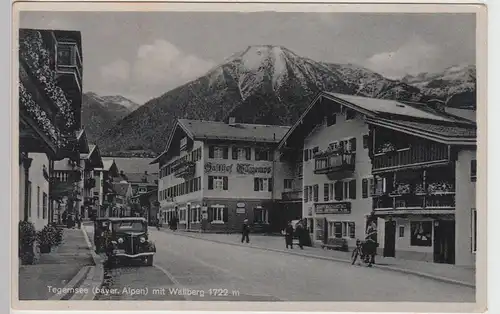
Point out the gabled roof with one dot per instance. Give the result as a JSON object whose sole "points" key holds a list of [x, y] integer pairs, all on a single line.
{"points": [[213, 130], [134, 164], [412, 116], [109, 165], [121, 188], [81, 138], [93, 156]]}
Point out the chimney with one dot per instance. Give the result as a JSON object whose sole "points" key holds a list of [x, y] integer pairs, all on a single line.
{"points": [[232, 120]]}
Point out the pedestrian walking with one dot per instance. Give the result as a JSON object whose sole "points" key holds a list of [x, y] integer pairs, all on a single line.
{"points": [[289, 235], [370, 246], [300, 231], [78, 221], [245, 231]]}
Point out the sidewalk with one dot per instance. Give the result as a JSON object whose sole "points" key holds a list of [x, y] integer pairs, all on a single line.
{"points": [[55, 269], [465, 276]]}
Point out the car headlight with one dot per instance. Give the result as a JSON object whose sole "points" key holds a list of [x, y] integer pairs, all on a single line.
{"points": [[120, 240], [142, 239]]}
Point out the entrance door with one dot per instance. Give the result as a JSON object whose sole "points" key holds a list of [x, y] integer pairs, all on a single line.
{"points": [[444, 241], [390, 239]]}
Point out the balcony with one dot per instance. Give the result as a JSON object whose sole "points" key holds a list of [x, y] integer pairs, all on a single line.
{"points": [[184, 169], [334, 161], [294, 195], [411, 157], [64, 183]]}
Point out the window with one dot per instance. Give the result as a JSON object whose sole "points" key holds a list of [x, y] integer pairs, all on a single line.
{"points": [[306, 154], [310, 193], [401, 231], [260, 216], [44, 204], [473, 170], [37, 202], [339, 190], [421, 233], [216, 152], [344, 229], [350, 114], [315, 151], [288, 183], [306, 195], [29, 198], [262, 184], [262, 154], [241, 153], [218, 183], [217, 214], [316, 192], [326, 192], [365, 141], [352, 230], [66, 54], [364, 188], [331, 120], [183, 144], [474, 230], [337, 229], [371, 186], [334, 145]]}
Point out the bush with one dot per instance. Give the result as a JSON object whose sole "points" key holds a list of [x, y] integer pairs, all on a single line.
{"points": [[27, 237], [49, 236]]}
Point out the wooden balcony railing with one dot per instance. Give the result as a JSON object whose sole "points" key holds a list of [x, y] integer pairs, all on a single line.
{"points": [[185, 168], [411, 157], [292, 195], [335, 162]]}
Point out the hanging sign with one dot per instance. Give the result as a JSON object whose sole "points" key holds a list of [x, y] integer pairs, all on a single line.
{"points": [[252, 169]]}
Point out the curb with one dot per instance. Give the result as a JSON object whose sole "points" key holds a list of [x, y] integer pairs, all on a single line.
{"points": [[73, 283], [95, 276], [335, 259]]}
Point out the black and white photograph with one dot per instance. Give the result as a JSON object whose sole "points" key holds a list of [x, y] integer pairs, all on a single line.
{"points": [[248, 156]]}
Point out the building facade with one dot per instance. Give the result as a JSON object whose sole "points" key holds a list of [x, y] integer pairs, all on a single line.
{"points": [[104, 187], [50, 73], [408, 167], [214, 175]]}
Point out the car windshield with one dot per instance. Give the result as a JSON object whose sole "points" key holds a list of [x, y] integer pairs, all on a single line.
{"points": [[134, 226]]}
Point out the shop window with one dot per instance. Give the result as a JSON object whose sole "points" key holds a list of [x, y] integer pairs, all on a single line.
{"points": [[260, 216], [217, 214], [474, 230], [288, 184], [421, 233], [401, 231]]}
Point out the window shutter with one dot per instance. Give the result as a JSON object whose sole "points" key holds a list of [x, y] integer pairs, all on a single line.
{"points": [[225, 183], [270, 185], [210, 183], [255, 184], [372, 186], [352, 189], [234, 151], [225, 152], [326, 192], [339, 192], [210, 152], [364, 188], [225, 215], [316, 188], [353, 144], [306, 199]]}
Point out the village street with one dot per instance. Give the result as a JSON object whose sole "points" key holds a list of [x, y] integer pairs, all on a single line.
{"points": [[186, 268]]}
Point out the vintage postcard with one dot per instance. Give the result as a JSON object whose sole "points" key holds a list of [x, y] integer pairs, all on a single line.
{"points": [[208, 156]]}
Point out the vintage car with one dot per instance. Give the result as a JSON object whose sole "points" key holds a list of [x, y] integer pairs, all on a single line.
{"points": [[129, 240]]}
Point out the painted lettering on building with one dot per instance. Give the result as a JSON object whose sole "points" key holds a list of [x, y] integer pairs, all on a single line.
{"points": [[251, 169], [211, 167], [333, 208]]}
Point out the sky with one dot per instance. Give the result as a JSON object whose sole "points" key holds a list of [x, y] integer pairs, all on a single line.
{"points": [[141, 55]]}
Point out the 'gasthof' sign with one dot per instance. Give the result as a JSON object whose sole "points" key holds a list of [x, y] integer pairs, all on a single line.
{"points": [[333, 208], [251, 169], [210, 167]]}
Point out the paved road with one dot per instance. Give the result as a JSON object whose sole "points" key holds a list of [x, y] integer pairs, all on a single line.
{"points": [[232, 273]]}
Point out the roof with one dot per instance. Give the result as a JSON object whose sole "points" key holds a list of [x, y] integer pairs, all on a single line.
{"points": [[121, 188], [399, 115], [463, 113], [377, 105], [108, 165], [215, 130], [137, 178], [133, 164], [200, 129]]}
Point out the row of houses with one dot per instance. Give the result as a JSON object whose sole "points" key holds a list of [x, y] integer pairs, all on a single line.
{"points": [[60, 171], [348, 160]]}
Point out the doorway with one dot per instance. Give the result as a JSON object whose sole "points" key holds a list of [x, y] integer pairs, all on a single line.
{"points": [[390, 239], [444, 241]]}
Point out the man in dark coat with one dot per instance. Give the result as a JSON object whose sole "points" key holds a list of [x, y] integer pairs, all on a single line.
{"points": [[300, 231], [289, 235], [245, 231]]}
